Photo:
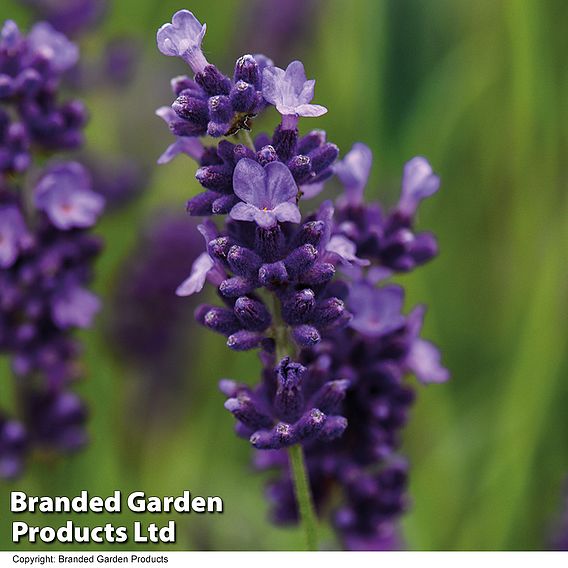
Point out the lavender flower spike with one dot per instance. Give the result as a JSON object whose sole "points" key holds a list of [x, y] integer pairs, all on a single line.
{"points": [[290, 92], [182, 38], [268, 192]]}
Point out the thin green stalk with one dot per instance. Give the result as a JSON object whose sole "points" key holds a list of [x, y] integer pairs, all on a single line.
{"points": [[284, 348], [304, 496]]}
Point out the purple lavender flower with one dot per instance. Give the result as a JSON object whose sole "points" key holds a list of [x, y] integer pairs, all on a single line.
{"points": [[289, 407], [73, 306], [57, 420], [53, 47], [389, 240], [13, 446], [182, 38], [64, 193], [309, 158], [268, 194], [334, 350], [45, 253], [289, 91], [14, 235], [30, 73]]}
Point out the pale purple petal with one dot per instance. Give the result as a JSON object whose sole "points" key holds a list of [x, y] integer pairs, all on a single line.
{"points": [[249, 182], [345, 250], [424, 361], [296, 75], [183, 38], [310, 111], [202, 265], [53, 46], [310, 190], [307, 92], [64, 194], [13, 235], [264, 219], [191, 147], [353, 171], [166, 113], [418, 182], [262, 61], [287, 212], [325, 214], [280, 185], [10, 35], [376, 274], [272, 78], [74, 307], [376, 311], [243, 212]]}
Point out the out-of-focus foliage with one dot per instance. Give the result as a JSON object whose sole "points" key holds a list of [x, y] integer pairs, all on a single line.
{"points": [[477, 87]]}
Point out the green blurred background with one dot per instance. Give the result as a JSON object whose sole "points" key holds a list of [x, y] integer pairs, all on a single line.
{"points": [[481, 89]]}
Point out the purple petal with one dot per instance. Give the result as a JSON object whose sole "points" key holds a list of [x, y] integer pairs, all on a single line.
{"points": [[272, 78], [13, 235], [10, 35], [376, 311], [287, 212], [243, 212], [74, 307], [296, 75], [64, 194], [262, 61], [192, 147], [53, 46], [249, 182], [307, 92], [353, 171], [341, 247], [310, 190], [196, 280], [418, 182], [280, 185], [264, 218], [424, 361], [310, 111]]}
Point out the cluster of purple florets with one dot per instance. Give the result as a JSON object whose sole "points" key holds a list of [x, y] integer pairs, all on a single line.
{"points": [[46, 252], [306, 289]]}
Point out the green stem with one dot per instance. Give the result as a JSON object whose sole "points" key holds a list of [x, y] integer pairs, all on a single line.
{"points": [[308, 519], [248, 139], [304, 496]]}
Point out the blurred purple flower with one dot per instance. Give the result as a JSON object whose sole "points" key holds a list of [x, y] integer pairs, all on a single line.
{"points": [[13, 446], [14, 235], [73, 306], [53, 47], [64, 193]]}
